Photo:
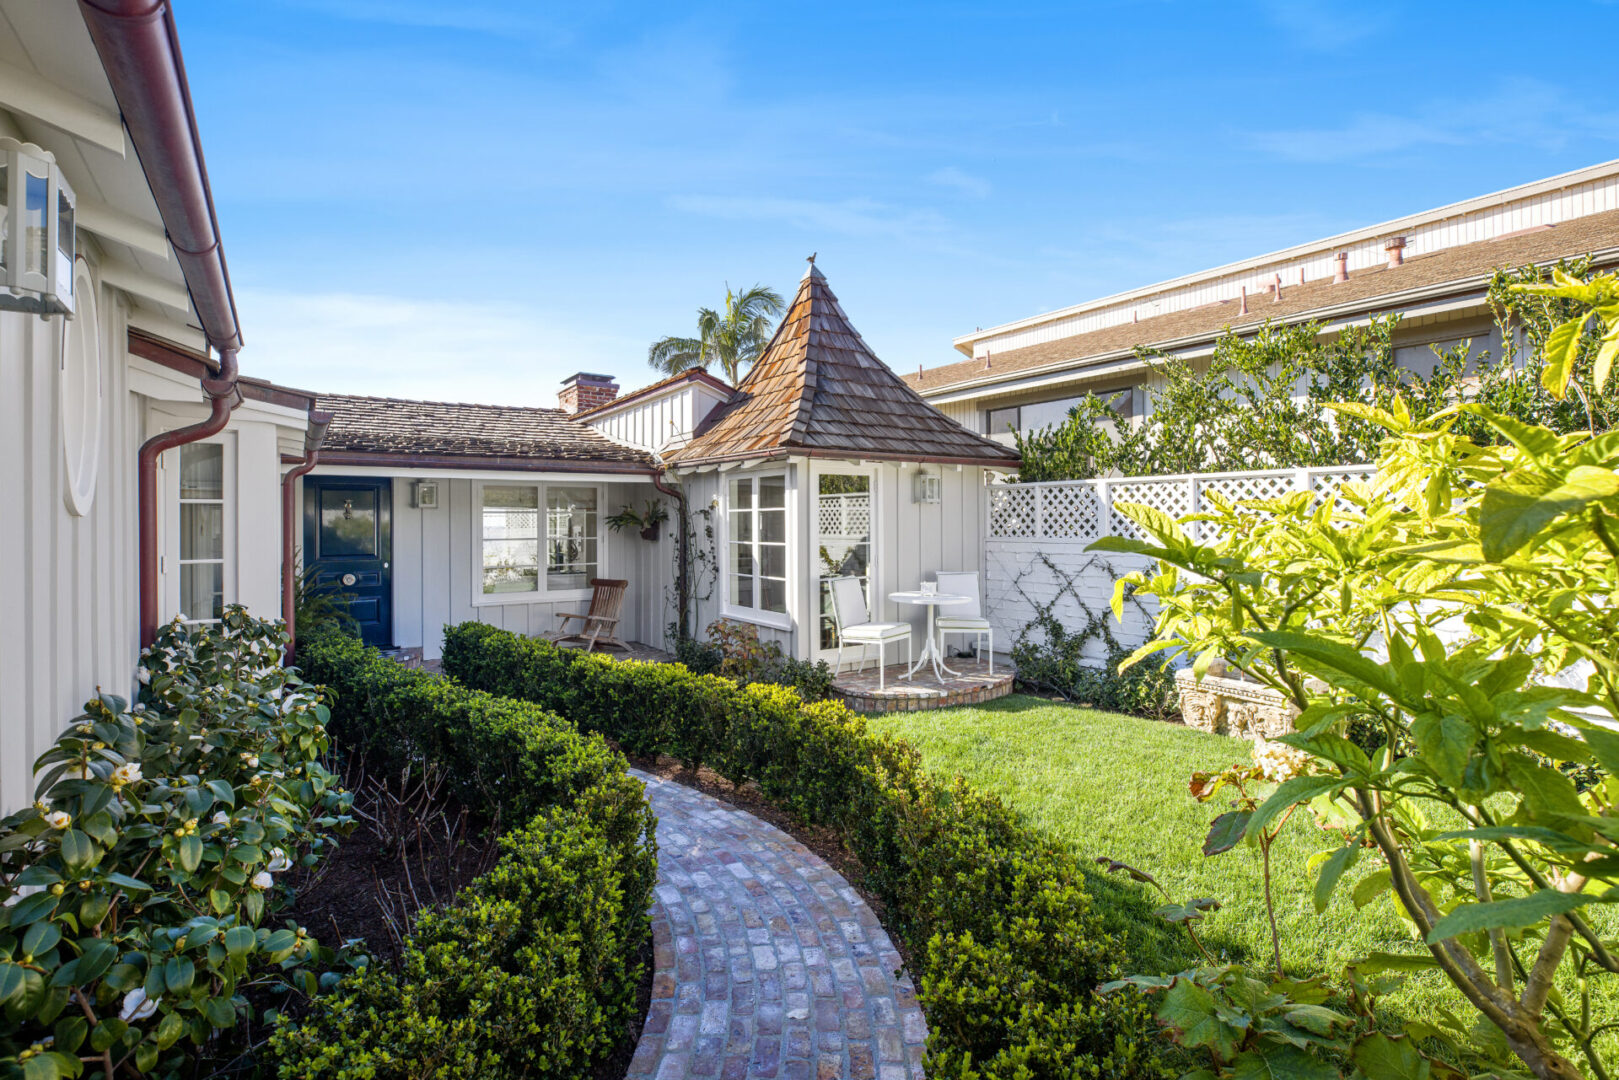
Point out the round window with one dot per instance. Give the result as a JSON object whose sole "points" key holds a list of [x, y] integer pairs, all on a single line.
{"points": [[81, 394]]}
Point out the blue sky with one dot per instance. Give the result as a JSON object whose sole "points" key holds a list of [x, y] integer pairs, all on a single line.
{"points": [[470, 199]]}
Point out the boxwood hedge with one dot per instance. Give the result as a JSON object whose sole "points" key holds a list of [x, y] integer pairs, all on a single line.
{"points": [[994, 914], [533, 970]]}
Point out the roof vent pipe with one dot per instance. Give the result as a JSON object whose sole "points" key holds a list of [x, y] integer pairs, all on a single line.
{"points": [[1243, 310], [1395, 247], [1341, 273], [1276, 288]]}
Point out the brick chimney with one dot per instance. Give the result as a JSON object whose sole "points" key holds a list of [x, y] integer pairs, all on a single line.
{"points": [[583, 391]]}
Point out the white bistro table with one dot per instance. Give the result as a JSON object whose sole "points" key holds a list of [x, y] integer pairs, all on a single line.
{"points": [[930, 648]]}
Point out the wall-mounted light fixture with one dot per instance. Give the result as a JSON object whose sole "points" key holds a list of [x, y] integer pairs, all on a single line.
{"points": [[36, 231], [929, 488], [424, 494]]}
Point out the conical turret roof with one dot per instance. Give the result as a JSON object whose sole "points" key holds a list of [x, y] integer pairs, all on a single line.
{"points": [[819, 391]]}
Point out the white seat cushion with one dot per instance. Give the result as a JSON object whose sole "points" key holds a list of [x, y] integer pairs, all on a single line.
{"points": [[961, 622], [876, 631]]}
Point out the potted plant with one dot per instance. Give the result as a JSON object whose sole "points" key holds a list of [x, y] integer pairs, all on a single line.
{"points": [[646, 521]]}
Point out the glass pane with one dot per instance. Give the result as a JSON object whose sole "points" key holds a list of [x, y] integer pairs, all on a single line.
{"points": [[774, 596], [829, 626], [64, 245], [5, 211], [525, 498], [742, 527], [202, 590], [202, 471], [741, 559], [348, 522], [773, 526], [741, 494], [504, 524], [773, 560], [741, 591], [511, 579], [772, 491], [35, 202], [202, 531]]}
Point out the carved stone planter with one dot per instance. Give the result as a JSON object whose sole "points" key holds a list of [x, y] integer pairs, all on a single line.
{"points": [[1237, 707]]}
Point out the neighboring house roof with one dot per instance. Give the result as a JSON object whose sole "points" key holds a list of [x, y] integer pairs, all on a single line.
{"points": [[432, 433], [688, 376], [1378, 289], [819, 391]]}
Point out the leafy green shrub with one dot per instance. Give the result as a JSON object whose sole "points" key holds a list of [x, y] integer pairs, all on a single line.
{"points": [[997, 917], [532, 969], [135, 887], [734, 650]]}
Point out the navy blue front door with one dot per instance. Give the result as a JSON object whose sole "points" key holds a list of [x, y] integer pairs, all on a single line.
{"points": [[348, 546]]}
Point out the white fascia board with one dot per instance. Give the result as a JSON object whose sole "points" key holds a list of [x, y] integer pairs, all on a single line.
{"points": [[159, 383], [27, 93], [507, 475], [1370, 232], [119, 227], [187, 337], [1441, 298]]}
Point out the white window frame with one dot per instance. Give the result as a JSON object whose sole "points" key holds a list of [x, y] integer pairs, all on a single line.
{"points": [[875, 600], [777, 620], [542, 594], [171, 524]]}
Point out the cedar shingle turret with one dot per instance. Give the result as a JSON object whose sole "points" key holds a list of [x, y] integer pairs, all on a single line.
{"points": [[819, 391]]}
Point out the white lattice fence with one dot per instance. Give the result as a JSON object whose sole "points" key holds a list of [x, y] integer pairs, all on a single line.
{"points": [[1035, 552]]}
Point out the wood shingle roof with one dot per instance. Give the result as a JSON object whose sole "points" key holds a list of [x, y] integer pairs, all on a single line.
{"points": [[434, 432], [819, 391]]}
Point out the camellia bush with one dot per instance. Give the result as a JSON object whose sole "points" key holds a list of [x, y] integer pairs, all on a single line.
{"points": [[1462, 602], [137, 893]]}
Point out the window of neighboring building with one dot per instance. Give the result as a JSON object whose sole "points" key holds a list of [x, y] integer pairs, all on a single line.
{"points": [[517, 557], [202, 532], [756, 536], [1003, 420], [1034, 415]]}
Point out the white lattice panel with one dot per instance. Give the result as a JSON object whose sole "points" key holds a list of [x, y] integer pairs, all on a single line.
{"points": [[1266, 485], [1011, 511], [844, 515], [1327, 485], [1173, 497], [1070, 512]]}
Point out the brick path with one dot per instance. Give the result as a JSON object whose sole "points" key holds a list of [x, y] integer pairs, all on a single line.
{"points": [[766, 963]]}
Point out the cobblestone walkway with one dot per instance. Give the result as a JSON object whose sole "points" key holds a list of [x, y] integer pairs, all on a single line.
{"points": [[766, 963]]}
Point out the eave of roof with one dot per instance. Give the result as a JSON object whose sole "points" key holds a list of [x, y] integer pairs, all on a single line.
{"points": [[692, 375]]}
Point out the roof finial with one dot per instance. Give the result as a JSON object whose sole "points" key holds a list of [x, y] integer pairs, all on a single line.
{"points": [[811, 259]]}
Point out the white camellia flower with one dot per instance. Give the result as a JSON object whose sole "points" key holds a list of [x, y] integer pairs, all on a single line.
{"points": [[82, 772], [279, 863], [251, 760], [263, 880], [127, 773], [58, 819], [221, 818], [137, 1006], [143, 675], [1278, 761]]}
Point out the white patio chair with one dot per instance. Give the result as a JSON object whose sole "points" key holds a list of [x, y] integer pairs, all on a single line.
{"points": [[964, 618], [853, 620]]}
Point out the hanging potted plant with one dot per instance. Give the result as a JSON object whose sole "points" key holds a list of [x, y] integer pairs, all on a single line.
{"points": [[647, 521]]}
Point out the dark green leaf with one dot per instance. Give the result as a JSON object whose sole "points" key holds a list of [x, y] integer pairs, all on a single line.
{"points": [[1188, 1011], [191, 853], [1513, 913], [1331, 871], [1300, 789], [79, 852], [1383, 1058], [1271, 1061], [1225, 832]]}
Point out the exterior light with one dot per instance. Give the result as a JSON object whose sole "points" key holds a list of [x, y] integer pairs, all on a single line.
{"points": [[424, 494], [929, 487], [36, 231]]}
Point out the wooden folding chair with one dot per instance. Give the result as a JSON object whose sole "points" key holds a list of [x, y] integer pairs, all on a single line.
{"points": [[601, 621]]}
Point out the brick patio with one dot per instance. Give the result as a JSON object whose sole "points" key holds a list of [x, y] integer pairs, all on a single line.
{"points": [[975, 685], [766, 963]]}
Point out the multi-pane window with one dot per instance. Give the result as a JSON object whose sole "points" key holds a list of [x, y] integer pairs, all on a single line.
{"points": [[511, 539], [571, 543], [516, 550], [202, 531], [756, 566]]}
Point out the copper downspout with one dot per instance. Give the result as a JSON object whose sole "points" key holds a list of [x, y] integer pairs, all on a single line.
{"points": [[318, 422], [223, 398], [140, 53]]}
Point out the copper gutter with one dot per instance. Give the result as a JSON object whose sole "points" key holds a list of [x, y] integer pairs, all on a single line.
{"points": [[318, 422], [396, 459], [140, 52]]}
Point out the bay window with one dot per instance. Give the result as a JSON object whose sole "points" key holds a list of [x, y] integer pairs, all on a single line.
{"points": [[756, 536]]}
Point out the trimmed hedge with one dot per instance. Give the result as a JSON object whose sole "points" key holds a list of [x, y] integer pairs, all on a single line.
{"points": [[996, 916], [533, 970]]}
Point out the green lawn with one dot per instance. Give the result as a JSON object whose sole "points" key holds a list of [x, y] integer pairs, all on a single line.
{"points": [[1116, 786]]}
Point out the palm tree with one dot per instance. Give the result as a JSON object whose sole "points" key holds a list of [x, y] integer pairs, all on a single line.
{"points": [[733, 339]]}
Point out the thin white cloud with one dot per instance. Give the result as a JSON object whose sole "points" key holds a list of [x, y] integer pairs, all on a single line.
{"points": [[435, 350], [1324, 25], [849, 217], [975, 187]]}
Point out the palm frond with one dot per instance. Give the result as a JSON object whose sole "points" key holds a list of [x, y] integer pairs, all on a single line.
{"points": [[672, 355]]}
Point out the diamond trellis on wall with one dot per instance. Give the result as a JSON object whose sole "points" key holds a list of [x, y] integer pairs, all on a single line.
{"points": [[1011, 511], [1070, 512]]}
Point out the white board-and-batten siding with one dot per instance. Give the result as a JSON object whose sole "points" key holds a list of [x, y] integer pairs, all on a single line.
{"points": [[68, 621], [435, 566], [660, 420]]}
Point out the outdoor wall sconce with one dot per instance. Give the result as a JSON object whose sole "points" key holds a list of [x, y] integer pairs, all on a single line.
{"points": [[36, 231], [424, 494], [929, 488]]}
